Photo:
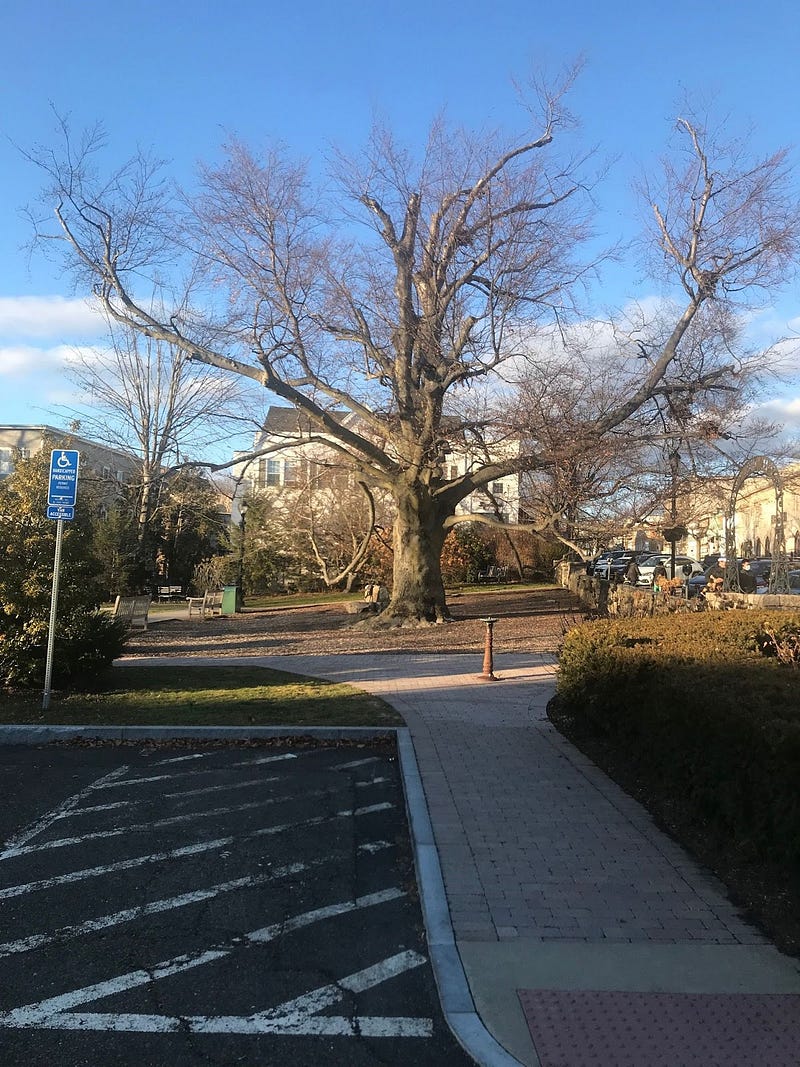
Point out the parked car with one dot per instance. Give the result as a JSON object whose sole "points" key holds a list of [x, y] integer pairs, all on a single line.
{"points": [[760, 567], [647, 566], [697, 584], [602, 562], [618, 567]]}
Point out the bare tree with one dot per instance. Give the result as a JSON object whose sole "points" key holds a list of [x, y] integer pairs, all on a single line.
{"points": [[147, 399], [679, 449], [462, 259]]}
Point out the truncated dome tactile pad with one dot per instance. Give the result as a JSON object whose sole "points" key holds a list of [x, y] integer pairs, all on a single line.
{"points": [[589, 1029]]}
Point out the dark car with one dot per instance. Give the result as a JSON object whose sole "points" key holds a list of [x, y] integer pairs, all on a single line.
{"points": [[619, 566], [602, 561], [696, 584], [760, 567]]}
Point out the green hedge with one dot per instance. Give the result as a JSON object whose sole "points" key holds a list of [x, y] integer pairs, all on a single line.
{"points": [[85, 644], [704, 711]]}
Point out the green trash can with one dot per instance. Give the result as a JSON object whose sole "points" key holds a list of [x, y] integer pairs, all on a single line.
{"points": [[230, 600]]}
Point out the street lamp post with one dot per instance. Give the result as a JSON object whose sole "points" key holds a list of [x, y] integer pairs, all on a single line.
{"points": [[240, 567]]}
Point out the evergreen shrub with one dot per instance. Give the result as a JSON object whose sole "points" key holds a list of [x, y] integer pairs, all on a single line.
{"points": [[85, 644], [703, 709]]}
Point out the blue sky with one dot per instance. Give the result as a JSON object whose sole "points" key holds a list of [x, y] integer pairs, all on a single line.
{"points": [[178, 75]]}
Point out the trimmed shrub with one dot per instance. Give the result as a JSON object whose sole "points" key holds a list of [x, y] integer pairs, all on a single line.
{"points": [[704, 711], [85, 644]]}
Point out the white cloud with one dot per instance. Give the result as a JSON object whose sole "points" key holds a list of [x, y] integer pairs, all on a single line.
{"points": [[48, 316], [784, 411], [20, 361]]}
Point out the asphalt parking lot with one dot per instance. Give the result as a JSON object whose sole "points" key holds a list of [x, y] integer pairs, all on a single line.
{"points": [[173, 906]]}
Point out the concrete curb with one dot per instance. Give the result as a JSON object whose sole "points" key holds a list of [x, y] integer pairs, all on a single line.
{"points": [[38, 735], [454, 992]]}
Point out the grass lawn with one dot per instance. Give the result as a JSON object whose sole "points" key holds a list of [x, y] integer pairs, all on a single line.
{"points": [[265, 602], [203, 696]]}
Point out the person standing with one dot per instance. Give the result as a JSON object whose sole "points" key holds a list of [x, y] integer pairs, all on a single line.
{"points": [[716, 575], [659, 575], [747, 580], [632, 573]]}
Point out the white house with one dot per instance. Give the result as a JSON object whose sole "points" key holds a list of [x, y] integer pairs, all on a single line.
{"points": [[300, 461]]}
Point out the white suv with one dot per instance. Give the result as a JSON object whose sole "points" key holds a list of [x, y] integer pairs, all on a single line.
{"points": [[647, 566]]}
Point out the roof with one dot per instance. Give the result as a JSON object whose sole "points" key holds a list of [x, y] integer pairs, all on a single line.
{"points": [[292, 421]]}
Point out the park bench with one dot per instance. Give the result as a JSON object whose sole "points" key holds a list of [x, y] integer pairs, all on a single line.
{"points": [[170, 592], [493, 574], [210, 603], [132, 610]]}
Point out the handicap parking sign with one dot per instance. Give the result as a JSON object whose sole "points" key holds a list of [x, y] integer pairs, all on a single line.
{"points": [[63, 488]]}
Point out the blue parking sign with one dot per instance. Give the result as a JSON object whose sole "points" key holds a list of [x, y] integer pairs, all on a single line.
{"points": [[63, 481]]}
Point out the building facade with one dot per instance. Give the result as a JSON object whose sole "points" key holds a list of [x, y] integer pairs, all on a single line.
{"points": [[107, 469], [300, 460]]}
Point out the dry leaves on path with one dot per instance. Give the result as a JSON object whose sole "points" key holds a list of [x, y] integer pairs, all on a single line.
{"points": [[527, 621]]}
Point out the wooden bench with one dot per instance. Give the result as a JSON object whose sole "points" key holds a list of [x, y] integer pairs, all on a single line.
{"points": [[170, 592], [133, 611], [493, 574], [210, 603]]}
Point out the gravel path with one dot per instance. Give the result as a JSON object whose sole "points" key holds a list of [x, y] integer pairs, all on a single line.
{"points": [[528, 621]]}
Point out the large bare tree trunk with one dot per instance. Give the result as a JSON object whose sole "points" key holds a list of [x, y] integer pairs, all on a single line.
{"points": [[418, 589]]}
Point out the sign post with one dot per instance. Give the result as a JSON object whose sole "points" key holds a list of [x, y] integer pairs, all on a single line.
{"points": [[61, 497]]}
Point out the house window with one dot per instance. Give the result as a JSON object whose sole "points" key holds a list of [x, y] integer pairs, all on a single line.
{"points": [[293, 472], [273, 472], [498, 488], [106, 474], [453, 470]]}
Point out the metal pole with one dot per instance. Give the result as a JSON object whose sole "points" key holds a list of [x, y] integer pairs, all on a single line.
{"points": [[240, 568], [51, 633], [488, 674]]}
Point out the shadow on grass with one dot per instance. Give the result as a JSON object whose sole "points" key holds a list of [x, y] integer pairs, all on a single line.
{"points": [[204, 696]]}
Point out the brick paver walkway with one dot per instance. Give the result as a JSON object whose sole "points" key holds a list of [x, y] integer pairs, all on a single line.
{"points": [[533, 840]]}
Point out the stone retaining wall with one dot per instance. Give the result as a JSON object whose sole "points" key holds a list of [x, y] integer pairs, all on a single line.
{"points": [[603, 598]]}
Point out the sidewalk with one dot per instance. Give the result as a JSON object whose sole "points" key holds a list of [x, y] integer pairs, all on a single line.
{"points": [[579, 925]]}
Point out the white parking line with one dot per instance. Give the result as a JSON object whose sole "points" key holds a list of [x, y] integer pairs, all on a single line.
{"points": [[74, 813], [176, 820], [221, 788], [215, 752], [96, 807], [60, 812], [110, 868], [183, 759], [103, 922], [299, 1016], [356, 763], [177, 853], [269, 759], [142, 827]]}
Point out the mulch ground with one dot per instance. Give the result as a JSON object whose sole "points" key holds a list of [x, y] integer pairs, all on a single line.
{"points": [[527, 621]]}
